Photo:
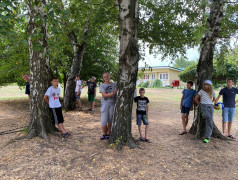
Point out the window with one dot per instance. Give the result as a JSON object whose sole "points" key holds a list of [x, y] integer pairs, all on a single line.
{"points": [[164, 76], [146, 76], [153, 76]]}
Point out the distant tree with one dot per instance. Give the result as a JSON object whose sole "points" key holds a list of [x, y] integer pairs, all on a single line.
{"points": [[183, 63]]}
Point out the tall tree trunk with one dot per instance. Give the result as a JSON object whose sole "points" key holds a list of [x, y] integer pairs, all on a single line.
{"points": [[205, 64], [69, 99], [40, 121], [127, 76]]}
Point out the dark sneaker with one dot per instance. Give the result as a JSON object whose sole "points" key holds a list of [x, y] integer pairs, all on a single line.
{"points": [[107, 136], [103, 137]]}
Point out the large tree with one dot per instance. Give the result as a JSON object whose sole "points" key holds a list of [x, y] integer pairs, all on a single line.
{"points": [[127, 76], [205, 63], [40, 121]]}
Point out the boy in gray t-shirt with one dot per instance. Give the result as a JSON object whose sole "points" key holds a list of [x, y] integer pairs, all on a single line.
{"points": [[108, 91]]}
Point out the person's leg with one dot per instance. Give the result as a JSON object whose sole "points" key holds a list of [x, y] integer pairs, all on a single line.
{"points": [[110, 116], [231, 115], [183, 122], [104, 118], [209, 122], [186, 122], [61, 128], [146, 131], [139, 129], [224, 119], [79, 104], [92, 105]]}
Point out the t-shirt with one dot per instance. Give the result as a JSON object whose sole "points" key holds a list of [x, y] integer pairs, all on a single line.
{"points": [[205, 97], [229, 96], [91, 87], [108, 88], [27, 91], [141, 104], [78, 83], [53, 95], [188, 95]]}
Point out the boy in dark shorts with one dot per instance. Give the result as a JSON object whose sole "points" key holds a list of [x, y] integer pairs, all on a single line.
{"points": [[92, 92], [186, 105], [142, 113], [52, 98]]}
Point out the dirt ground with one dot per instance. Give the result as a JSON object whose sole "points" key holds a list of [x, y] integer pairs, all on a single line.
{"points": [[84, 156]]}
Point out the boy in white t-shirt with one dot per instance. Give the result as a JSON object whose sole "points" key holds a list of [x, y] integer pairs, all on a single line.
{"points": [[51, 97], [78, 91]]}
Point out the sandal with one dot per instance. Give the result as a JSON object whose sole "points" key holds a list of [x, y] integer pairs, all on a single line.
{"points": [[68, 133], [142, 139], [147, 140], [231, 136], [65, 135], [107, 136], [182, 133]]}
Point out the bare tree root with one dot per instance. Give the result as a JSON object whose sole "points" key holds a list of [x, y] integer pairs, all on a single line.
{"points": [[13, 141]]}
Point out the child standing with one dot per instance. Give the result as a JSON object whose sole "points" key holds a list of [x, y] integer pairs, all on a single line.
{"points": [[142, 113], [207, 97], [92, 92], [108, 91], [78, 91], [51, 97], [228, 112], [186, 105]]}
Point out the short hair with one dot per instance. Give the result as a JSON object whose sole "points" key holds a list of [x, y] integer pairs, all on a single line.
{"points": [[77, 75], [25, 74], [229, 79], [141, 89], [190, 82], [93, 77], [53, 78]]}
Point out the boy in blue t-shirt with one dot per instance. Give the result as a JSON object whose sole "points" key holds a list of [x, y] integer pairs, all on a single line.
{"points": [[186, 105]]}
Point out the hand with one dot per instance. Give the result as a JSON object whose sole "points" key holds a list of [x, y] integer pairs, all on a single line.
{"points": [[94, 95], [147, 117], [180, 106], [191, 108], [236, 101], [115, 91], [77, 93]]}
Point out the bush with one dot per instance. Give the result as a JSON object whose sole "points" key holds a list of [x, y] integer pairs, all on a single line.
{"points": [[146, 84], [157, 83], [140, 85]]}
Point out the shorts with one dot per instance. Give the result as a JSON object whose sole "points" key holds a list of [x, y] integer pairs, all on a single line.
{"points": [[77, 97], [57, 115], [91, 97], [107, 110], [228, 114], [185, 110], [141, 117]]}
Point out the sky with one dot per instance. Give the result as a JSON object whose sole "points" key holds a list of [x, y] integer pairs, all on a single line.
{"points": [[192, 55]]}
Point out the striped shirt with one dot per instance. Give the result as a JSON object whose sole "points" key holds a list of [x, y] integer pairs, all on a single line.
{"points": [[205, 97]]}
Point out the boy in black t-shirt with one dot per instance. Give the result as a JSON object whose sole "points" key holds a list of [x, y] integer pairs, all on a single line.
{"points": [[92, 92], [142, 113]]}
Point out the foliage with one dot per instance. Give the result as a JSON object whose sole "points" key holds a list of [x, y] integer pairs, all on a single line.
{"points": [[183, 63], [229, 68], [157, 83], [145, 84], [140, 84]]}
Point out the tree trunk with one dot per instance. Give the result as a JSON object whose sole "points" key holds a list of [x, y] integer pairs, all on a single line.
{"points": [[40, 121], [127, 76], [69, 99], [64, 81], [205, 64]]}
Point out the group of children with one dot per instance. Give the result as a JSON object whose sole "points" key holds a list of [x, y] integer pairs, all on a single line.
{"points": [[206, 99]]}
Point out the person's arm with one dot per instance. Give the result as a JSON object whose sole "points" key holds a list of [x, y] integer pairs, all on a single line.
{"points": [[95, 91], [192, 104], [181, 102], [79, 90], [46, 99], [197, 99], [147, 110], [217, 99], [106, 95]]}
